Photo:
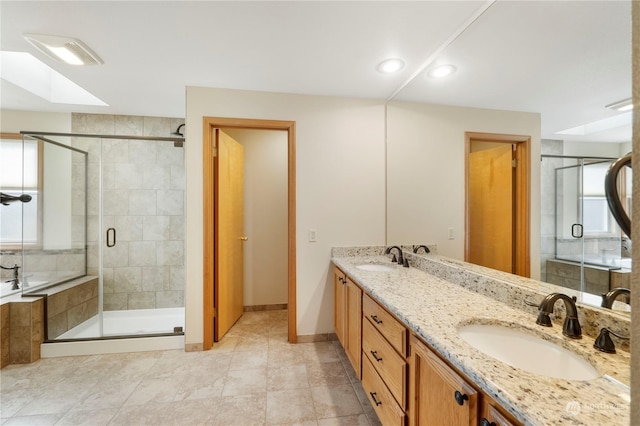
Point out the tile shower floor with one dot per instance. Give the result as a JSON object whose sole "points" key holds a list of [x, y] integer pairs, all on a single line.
{"points": [[253, 376]]}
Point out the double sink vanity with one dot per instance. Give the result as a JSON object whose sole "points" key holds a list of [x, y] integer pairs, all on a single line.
{"points": [[446, 342]]}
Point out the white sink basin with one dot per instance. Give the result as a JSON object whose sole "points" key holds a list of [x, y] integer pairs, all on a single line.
{"points": [[528, 352], [375, 267]]}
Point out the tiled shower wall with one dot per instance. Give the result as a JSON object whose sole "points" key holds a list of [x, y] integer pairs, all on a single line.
{"points": [[143, 199]]}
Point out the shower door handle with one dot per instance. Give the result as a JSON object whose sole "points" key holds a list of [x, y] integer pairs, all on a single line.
{"points": [[111, 237], [576, 230]]}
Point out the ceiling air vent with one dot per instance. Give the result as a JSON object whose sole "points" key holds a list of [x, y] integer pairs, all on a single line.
{"points": [[64, 49]]}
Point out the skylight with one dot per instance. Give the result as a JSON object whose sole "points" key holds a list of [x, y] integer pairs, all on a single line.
{"points": [[600, 125], [27, 72]]}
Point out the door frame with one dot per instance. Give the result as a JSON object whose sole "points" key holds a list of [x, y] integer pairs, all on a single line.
{"points": [[208, 197], [523, 194]]}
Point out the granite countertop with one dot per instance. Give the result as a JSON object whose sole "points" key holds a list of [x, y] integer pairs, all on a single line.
{"points": [[433, 308]]}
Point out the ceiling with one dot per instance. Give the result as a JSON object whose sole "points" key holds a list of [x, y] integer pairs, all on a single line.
{"points": [[565, 60]]}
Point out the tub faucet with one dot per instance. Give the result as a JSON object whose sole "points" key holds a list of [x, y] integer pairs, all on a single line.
{"points": [[15, 282], [399, 259], [571, 327], [610, 297], [417, 248]]}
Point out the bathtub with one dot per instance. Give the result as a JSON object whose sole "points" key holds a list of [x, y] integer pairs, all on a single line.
{"points": [[5, 288]]}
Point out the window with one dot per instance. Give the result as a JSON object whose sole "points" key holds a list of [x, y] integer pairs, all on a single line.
{"points": [[20, 173]]}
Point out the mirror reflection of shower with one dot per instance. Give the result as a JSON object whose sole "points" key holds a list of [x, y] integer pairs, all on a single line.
{"points": [[582, 246]]}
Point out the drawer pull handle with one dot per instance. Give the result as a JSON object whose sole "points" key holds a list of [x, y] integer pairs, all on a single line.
{"points": [[375, 356], [375, 319], [460, 398], [485, 422], [373, 396]]}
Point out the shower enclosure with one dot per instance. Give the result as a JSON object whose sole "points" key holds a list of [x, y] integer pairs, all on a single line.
{"points": [[125, 213], [581, 242]]}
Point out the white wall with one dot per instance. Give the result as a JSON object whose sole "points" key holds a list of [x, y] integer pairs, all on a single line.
{"points": [[265, 215], [340, 187], [425, 177], [14, 121]]}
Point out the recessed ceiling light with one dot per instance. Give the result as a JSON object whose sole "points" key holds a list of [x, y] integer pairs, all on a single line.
{"points": [[389, 66], [64, 49], [33, 75], [623, 105], [441, 71]]}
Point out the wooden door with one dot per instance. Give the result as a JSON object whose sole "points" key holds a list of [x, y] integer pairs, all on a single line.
{"points": [[491, 208], [229, 232]]}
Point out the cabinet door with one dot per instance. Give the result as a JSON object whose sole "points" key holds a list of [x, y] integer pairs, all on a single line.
{"points": [[354, 326], [491, 416], [438, 395], [339, 305]]}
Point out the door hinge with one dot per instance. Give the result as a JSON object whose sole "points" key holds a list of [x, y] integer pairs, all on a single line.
{"points": [[514, 163], [215, 312]]}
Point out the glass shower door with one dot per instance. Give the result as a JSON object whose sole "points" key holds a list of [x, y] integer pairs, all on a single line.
{"points": [[143, 236], [569, 227]]}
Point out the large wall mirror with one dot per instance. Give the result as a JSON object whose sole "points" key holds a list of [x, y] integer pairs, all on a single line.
{"points": [[546, 70]]}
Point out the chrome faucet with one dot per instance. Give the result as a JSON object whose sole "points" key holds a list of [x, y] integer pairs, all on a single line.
{"points": [[611, 296], [417, 248], [571, 327], [399, 259], [15, 282]]}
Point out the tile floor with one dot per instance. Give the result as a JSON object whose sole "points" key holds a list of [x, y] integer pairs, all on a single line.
{"points": [[252, 377]]}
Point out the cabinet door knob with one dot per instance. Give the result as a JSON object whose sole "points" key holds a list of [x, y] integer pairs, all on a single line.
{"points": [[373, 396], [375, 319], [375, 356], [485, 422], [460, 398]]}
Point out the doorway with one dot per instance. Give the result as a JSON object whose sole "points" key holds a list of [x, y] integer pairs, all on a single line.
{"points": [[211, 124], [497, 197]]}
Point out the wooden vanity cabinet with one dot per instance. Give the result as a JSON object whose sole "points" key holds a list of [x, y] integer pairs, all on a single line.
{"points": [[492, 415], [348, 318], [437, 394]]}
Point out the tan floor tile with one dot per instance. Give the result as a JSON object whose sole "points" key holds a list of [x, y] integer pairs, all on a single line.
{"points": [[242, 410], [245, 382], [201, 386], [89, 417], [225, 386], [335, 401], [326, 374], [247, 360], [41, 420], [147, 414], [153, 390], [109, 394], [287, 377], [357, 420], [286, 355], [290, 406], [320, 352]]}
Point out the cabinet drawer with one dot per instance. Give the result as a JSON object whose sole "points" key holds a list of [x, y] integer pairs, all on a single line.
{"points": [[386, 324], [386, 407], [391, 367]]}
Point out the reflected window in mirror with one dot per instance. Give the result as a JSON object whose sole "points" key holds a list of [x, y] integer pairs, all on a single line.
{"points": [[20, 174]]}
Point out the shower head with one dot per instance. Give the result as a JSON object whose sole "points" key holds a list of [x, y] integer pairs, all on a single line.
{"points": [[5, 199], [178, 132]]}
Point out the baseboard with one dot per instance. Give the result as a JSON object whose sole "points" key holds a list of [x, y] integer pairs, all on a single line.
{"points": [[274, 307], [321, 337], [193, 347]]}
